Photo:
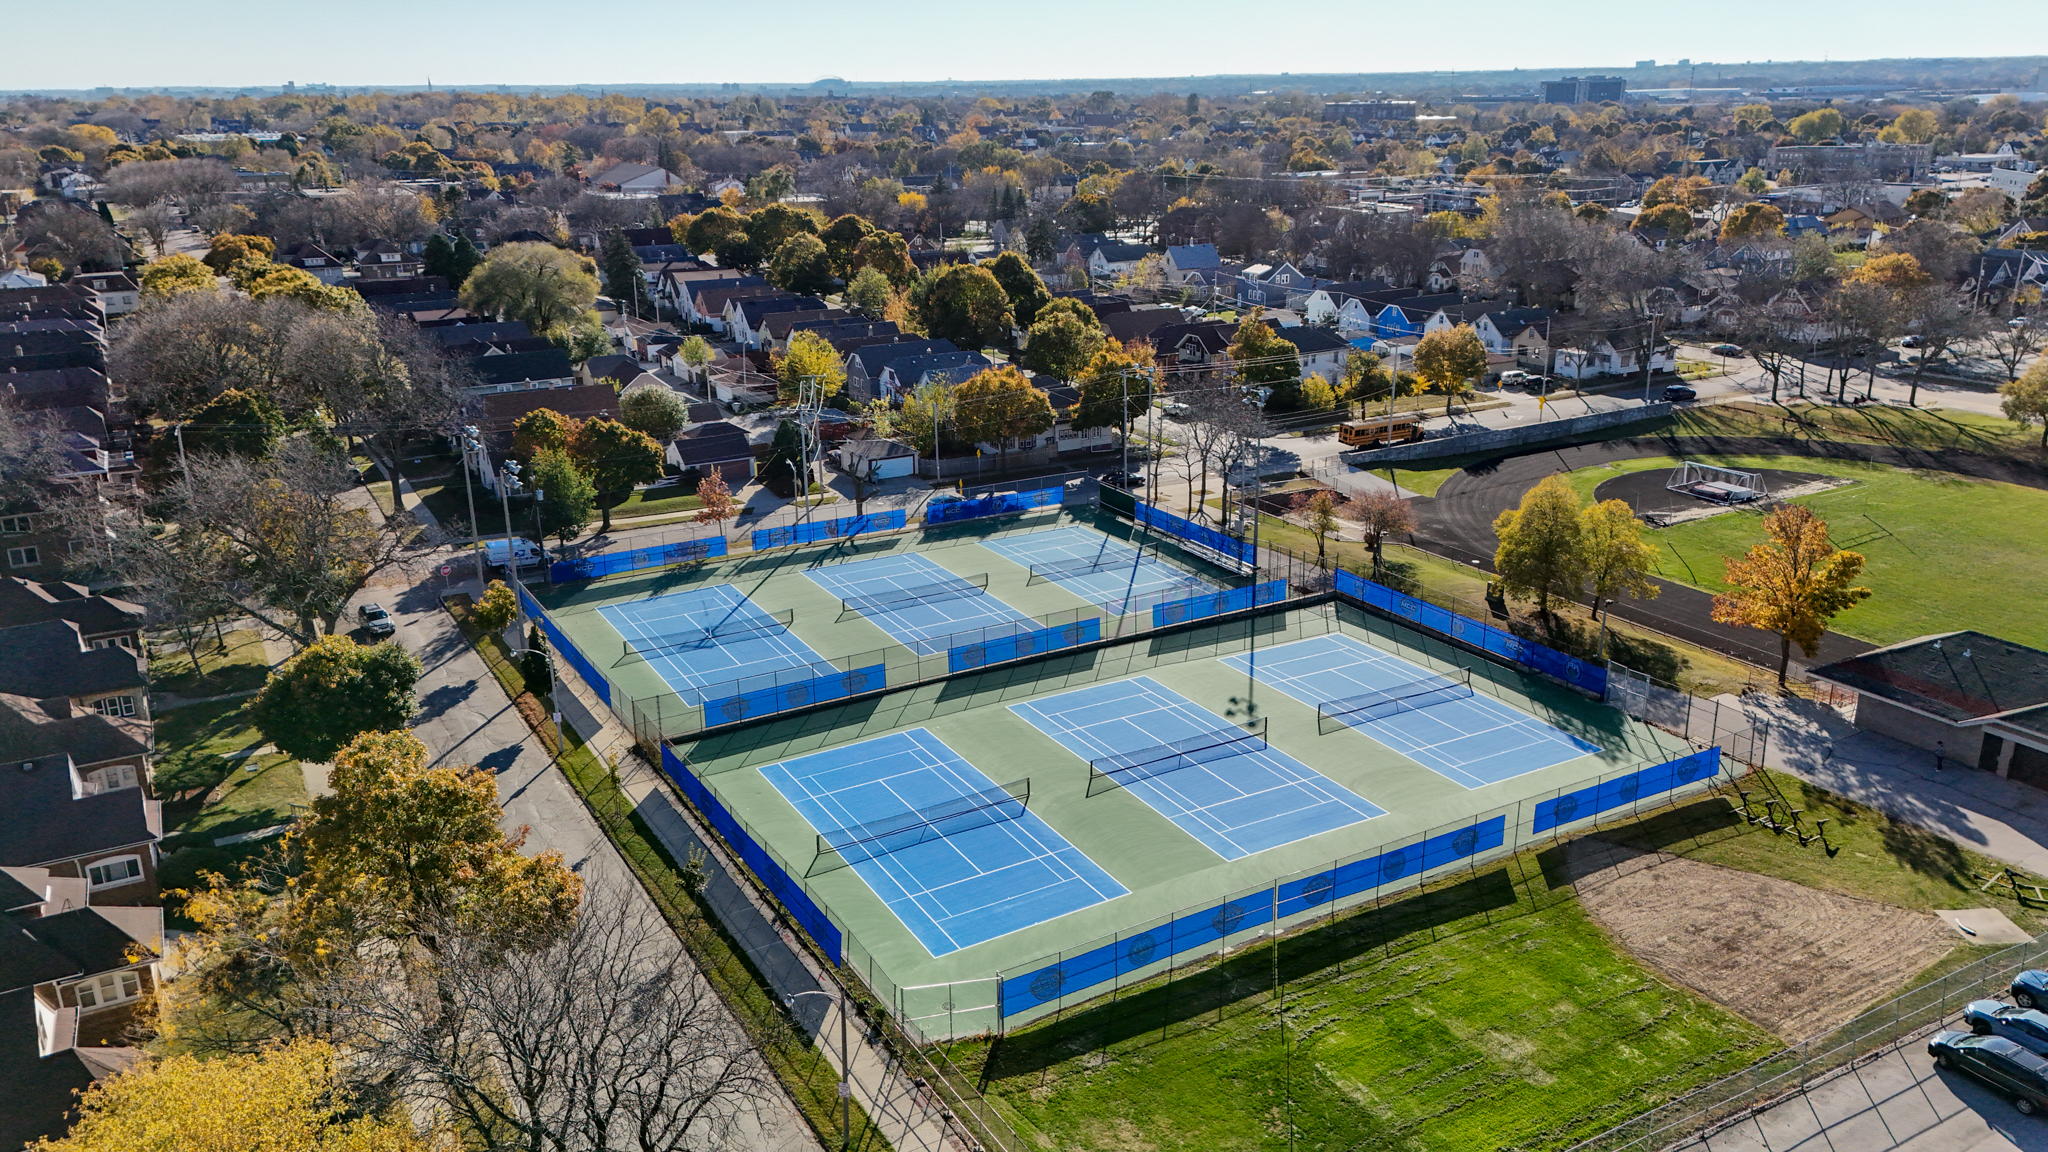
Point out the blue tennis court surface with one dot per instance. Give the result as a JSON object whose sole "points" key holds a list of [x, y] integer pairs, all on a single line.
{"points": [[987, 879], [913, 599], [1098, 568], [707, 636], [1473, 740], [1238, 799]]}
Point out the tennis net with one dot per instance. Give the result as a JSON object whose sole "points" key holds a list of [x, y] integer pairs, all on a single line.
{"points": [[1121, 768], [953, 589], [842, 846], [1084, 566], [731, 628], [1394, 700]]}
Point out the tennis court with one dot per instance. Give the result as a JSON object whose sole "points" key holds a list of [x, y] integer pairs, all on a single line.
{"points": [[958, 859], [1470, 738], [913, 599], [1098, 569], [706, 636], [1225, 787]]}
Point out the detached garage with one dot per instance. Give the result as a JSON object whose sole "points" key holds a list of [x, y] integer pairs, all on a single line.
{"points": [[876, 459], [1982, 699], [717, 445]]}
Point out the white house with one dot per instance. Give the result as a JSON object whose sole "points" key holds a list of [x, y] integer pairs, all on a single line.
{"points": [[643, 178], [1115, 259], [1600, 356]]}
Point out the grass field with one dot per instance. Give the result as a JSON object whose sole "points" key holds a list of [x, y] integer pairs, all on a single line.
{"points": [[1490, 1014], [237, 667], [1917, 530], [196, 743]]}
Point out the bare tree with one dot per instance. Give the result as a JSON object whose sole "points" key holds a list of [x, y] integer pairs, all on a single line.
{"points": [[155, 221], [2015, 341], [1940, 318], [379, 379], [68, 233], [141, 182], [175, 356], [607, 1038], [1380, 514]]}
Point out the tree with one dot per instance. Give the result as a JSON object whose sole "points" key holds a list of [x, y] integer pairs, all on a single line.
{"points": [[802, 265], [1026, 291], [155, 221], [243, 423], [1817, 125], [869, 293], [1264, 359], [997, 405], [719, 506], [810, 356], [227, 249], [927, 412], [842, 237], [499, 607], [1913, 126], [1672, 219], [174, 275], [1926, 202], [567, 497], [1942, 318], [332, 692], [534, 665], [620, 267], [1752, 221], [1792, 585], [1322, 520], [964, 303], [1062, 345], [72, 236], [616, 458], [1615, 557], [1380, 514], [2011, 345], [380, 378], [541, 429], [738, 251], [1541, 551], [1447, 360], [291, 1098], [1116, 388], [537, 283], [1366, 377], [2025, 400], [889, 254], [1895, 271], [401, 848], [713, 225], [654, 409], [1753, 182], [772, 227]]}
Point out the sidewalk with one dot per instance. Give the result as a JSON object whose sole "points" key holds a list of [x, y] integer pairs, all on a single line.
{"points": [[910, 1116], [2000, 818], [464, 718]]}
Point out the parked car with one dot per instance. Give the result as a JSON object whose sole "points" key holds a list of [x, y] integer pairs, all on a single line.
{"points": [[2030, 988], [1725, 350], [376, 620], [1175, 410], [2027, 1027], [2018, 322], [1913, 342], [1128, 481], [1514, 379], [947, 497], [1680, 392], [1998, 1062]]}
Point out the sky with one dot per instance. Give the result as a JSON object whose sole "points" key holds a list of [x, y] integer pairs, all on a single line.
{"points": [[233, 43]]}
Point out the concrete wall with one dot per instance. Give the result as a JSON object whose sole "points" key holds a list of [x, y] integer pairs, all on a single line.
{"points": [[1505, 437], [1877, 715]]}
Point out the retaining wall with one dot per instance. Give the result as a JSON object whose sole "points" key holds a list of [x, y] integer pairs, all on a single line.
{"points": [[1506, 437]]}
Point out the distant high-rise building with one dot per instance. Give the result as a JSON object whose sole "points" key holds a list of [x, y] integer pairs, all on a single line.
{"points": [[1646, 63], [1584, 90]]}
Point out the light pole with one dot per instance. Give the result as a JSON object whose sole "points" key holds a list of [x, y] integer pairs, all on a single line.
{"points": [[845, 1066], [554, 681], [472, 443], [508, 478]]}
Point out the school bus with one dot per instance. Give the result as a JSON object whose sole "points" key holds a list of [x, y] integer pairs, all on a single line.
{"points": [[1380, 430]]}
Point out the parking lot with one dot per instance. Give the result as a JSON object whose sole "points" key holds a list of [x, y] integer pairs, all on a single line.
{"points": [[1898, 1101]]}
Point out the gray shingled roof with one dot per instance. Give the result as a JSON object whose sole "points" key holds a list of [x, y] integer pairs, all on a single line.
{"points": [[1960, 676], [49, 659]]}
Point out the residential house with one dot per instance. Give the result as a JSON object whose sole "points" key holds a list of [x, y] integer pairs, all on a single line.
{"points": [[1139, 323], [51, 301], [73, 799], [1188, 352], [1498, 327], [1184, 261], [34, 351], [1349, 303], [1615, 353], [1410, 316], [101, 620], [641, 179], [746, 321], [1115, 259], [385, 260], [520, 371], [611, 368], [315, 261], [905, 374], [1997, 273], [711, 305], [777, 328], [499, 411], [874, 458], [1080, 247], [117, 292], [1323, 352], [495, 332], [864, 365], [51, 658], [1271, 286], [718, 446]]}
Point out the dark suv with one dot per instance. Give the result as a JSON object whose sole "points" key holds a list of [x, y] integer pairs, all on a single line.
{"points": [[1680, 392], [1998, 1062]]}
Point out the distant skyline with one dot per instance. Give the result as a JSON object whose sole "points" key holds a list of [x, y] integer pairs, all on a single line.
{"points": [[371, 43]]}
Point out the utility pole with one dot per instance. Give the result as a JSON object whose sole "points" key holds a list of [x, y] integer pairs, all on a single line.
{"points": [[1649, 349], [471, 443], [508, 478]]}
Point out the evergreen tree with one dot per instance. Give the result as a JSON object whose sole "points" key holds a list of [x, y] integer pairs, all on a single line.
{"points": [[620, 267]]}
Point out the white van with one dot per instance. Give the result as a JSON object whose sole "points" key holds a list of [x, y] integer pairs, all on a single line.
{"points": [[525, 551]]}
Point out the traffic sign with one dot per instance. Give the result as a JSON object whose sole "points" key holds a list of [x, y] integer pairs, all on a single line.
{"points": [[447, 569]]}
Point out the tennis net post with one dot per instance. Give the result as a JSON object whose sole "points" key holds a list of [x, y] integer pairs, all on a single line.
{"points": [[648, 647], [954, 589], [855, 843], [1440, 688], [1119, 769]]}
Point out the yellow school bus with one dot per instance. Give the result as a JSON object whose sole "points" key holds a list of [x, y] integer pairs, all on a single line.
{"points": [[1379, 431]]}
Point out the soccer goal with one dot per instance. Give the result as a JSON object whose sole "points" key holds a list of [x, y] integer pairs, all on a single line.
{"points": [[1720, 485]]}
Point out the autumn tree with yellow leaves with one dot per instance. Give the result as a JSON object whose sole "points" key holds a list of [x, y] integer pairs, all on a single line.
{"points": [[1792, 584]]}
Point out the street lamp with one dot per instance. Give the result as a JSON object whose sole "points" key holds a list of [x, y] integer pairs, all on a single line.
{"points": [[472, 442], [845, 1066], [554, 682]]}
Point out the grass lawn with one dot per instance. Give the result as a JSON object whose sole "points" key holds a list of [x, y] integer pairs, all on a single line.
{"points": [[665, 500], [1917, 531], [238, 667], [195, 744], [1490, 1014]]}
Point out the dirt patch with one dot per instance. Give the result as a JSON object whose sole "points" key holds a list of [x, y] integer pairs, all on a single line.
{"points": [[1793, 959]]}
